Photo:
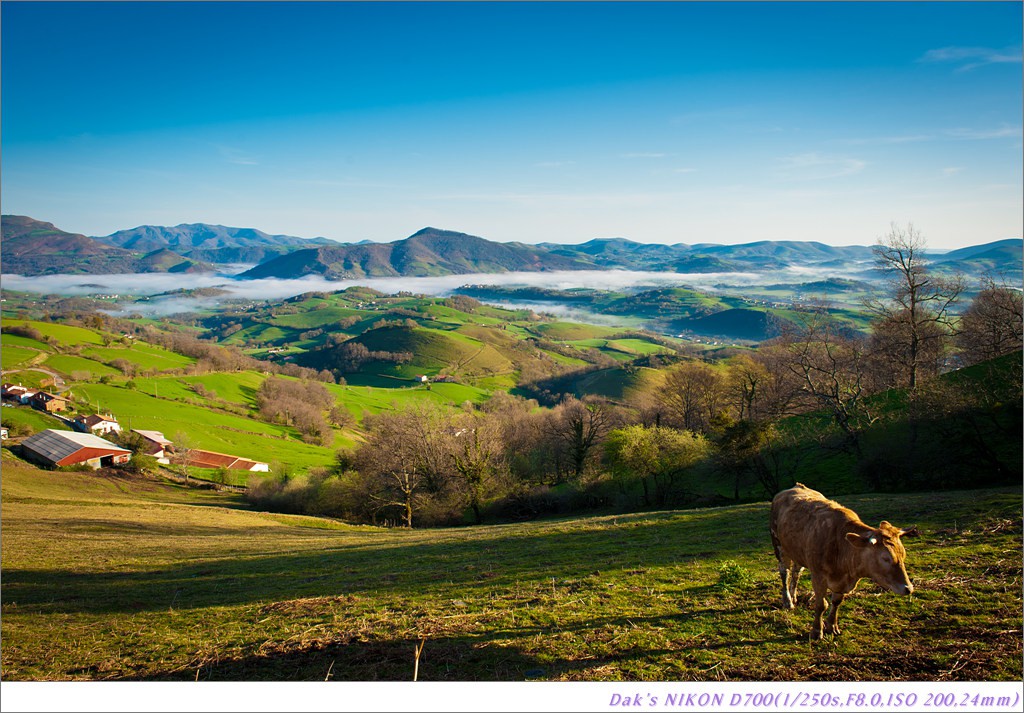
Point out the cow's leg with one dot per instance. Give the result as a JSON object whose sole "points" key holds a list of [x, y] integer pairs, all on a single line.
{"points": [[785, 564], [794, 577], [831, 625], [820, 592]]}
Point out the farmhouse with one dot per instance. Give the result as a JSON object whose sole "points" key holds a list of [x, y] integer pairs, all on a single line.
{"points": [[156, 445], [17, 392], [211, 459], [94, 423], [51, 403], [53, 448]]}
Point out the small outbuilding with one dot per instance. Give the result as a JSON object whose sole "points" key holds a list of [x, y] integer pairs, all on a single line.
{"points": [[212, 459], [156, 445], [52, 448]]}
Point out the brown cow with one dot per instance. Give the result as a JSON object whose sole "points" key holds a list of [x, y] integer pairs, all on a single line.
{"points": [[810, 531]]}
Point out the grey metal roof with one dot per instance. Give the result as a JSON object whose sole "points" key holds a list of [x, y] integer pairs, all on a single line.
{"points": [[155, 436], [55, 445]]}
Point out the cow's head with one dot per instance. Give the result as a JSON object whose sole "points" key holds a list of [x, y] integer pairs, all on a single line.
{"points": [[883, 557]]}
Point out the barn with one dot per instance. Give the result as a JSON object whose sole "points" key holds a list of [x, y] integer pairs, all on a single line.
{"points": [[212, 459], [52, 448]]}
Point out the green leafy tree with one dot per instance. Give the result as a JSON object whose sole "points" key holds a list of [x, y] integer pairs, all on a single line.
{"points": [[655, 458]]}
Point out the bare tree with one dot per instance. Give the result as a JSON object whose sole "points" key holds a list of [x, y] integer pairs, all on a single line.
{"points": [[577, 426], [476, 453], [916, 312], [992, 326], [406, 458], [831, 368], [183, 449]]}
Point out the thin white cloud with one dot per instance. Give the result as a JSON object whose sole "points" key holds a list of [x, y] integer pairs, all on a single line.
{"points": [[952, 170], [817, 166], [643, 154], [970, 58], [237, 156], [1003, 132], [684, 170], [888, 140]]}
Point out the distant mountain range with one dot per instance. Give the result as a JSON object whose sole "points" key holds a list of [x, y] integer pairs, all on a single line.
{"points": [[211, 243], [32, 247], [427, 252]]}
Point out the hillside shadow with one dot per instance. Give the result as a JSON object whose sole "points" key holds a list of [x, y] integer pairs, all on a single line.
{"points": [[498, 655], [442, 659], [369, 566]]}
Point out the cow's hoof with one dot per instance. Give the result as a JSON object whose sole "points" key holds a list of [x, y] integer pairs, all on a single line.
{"points": [[816, 635]]}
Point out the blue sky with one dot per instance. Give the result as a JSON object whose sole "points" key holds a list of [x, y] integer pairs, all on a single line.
{"points": [[535, 121]]}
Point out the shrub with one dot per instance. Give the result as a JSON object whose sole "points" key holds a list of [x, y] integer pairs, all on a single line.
{"points": [[732, 576]]}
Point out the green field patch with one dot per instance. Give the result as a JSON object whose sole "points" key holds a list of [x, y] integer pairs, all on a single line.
{"points": [[16, 356], [234, 387], [63, 333], [143, 358], [160, 352], [16, 340], [68, 363], [380, 394], [637, 347], [315, 318], [573, 331]]}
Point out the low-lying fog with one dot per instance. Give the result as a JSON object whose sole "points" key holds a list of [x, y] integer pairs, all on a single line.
{"points": [[153, 284]]}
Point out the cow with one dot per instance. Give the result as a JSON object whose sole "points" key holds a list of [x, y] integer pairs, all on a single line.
{"points": [[810, 531]]}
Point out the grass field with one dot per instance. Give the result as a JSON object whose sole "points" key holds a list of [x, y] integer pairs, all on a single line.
{"points": [[63, 333], [107, 577], [145, 356], [16, 340], [68, 363], [13, 356]]}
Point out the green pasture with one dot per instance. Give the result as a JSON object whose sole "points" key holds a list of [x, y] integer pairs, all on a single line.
{"points": [[13, 356], [637, 347], [372, 399], [68, 363], [315, 318], [113, 577], [237, 387], [63, 333], [16, 340], [573, 331], [145, 355]]}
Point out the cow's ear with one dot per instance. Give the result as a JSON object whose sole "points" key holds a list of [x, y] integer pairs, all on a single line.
{"points": [[865, 540], [909, 532]]}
